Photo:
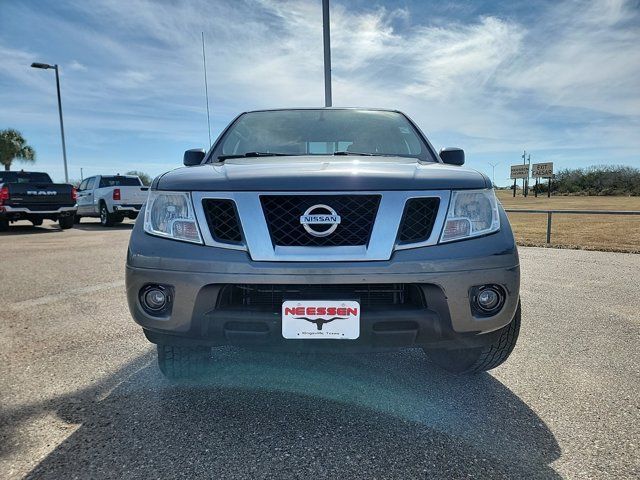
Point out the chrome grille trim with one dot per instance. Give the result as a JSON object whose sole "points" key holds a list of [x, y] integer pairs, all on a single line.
{"points": [[382, 243]]}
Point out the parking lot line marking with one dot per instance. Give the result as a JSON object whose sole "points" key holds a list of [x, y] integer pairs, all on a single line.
{"points": [[34, 302]]}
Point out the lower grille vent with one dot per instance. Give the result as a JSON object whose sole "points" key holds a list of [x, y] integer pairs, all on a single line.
{"points": [[270, 297]]}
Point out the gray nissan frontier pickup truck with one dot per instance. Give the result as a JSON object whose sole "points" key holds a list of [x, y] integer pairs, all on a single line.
{"points": [[324, 229]]}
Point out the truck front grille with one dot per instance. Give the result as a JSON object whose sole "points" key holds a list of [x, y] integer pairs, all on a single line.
{"points": [[222, 219], [283, 212], [270, 297], [418, 219]]}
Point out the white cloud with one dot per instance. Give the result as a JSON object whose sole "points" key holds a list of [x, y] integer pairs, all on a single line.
{"points": [[585, 55], [76, 65]]}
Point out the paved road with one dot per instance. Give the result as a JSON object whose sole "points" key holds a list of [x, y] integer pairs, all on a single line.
{"points": [[81, 396]]}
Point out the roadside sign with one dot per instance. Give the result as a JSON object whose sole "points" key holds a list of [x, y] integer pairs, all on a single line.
{"points": [[542, 170], [519, 171]]}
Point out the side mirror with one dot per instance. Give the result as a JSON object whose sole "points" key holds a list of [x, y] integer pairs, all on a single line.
{"points": [[452, 156], [193, 157]]}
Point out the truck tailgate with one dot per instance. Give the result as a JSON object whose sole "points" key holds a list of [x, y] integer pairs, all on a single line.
{"points": [[40, 196], [132, 195]]}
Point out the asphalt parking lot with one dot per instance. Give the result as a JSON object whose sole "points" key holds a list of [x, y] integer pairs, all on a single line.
{"points": [[81, 396]]}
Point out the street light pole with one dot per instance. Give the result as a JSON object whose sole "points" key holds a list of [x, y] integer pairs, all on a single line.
{"points": [[326, 34], [528, 170], [524, 162], [45, 66], [493, 174], [64, 145]]}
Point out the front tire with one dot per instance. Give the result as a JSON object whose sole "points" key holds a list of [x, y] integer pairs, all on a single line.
{"points": [[4, 225], [106, 219], [480, 359], [36, 222], [66, 222], [183, 362]]}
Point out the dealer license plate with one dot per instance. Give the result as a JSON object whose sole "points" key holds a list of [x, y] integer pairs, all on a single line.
{"points": [[321, 319]]}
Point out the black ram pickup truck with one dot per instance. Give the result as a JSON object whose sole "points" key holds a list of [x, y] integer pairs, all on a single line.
{"points": [[33, 196]]}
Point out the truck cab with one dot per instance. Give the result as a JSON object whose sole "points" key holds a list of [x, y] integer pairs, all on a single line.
{"points": [[112, 198]]}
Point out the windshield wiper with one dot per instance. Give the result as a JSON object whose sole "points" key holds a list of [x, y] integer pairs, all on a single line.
{"points": [[344, 152], [256, 154]]}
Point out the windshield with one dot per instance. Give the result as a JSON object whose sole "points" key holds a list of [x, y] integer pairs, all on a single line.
{"points": [[322, 132], [24, 177]]}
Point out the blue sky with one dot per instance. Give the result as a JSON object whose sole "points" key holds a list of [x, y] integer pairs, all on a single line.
{"points": [[561, 79]]}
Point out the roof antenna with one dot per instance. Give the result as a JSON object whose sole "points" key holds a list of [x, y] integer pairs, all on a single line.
{"points": [[206, 89], [326, 35]]}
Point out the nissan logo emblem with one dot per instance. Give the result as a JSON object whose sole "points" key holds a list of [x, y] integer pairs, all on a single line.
{"points": [[320, 215]]}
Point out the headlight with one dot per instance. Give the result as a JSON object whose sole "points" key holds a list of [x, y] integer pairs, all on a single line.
{"points": [[171, 215], [471, 213]]}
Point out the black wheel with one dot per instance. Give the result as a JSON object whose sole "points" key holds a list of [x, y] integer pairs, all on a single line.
{"points": [[481, 359], [36, 222], [76, 219], [4, 225], [106, 218], [183, 362], [66, 222]]}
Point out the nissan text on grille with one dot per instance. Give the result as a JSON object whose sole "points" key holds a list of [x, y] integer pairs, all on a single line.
{"points": [[324, 230]]}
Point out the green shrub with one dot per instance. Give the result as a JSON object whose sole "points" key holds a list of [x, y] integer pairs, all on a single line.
{"points": [[597, 180]]}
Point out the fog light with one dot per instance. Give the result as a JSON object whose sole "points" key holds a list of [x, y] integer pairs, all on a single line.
{"points": [[155, 299], [487, 299]]}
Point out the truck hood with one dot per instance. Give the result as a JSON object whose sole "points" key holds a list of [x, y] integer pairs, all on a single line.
{"points": [[321, 173]]}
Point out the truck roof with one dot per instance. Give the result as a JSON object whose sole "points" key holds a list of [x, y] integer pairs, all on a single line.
{"points": [[323, 108]]}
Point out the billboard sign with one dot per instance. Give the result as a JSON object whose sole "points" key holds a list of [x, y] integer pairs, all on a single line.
{"points": [[519, 171], [542, 170]]}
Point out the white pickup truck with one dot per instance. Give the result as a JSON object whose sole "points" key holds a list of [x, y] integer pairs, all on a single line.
{"points": [[111, 198]]}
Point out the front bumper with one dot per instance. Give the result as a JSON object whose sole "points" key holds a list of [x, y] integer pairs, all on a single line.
{"points": [[445, 273]]}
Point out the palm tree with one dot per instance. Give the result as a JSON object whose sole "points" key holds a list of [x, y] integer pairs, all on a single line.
{"points": [[14, 146]]}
